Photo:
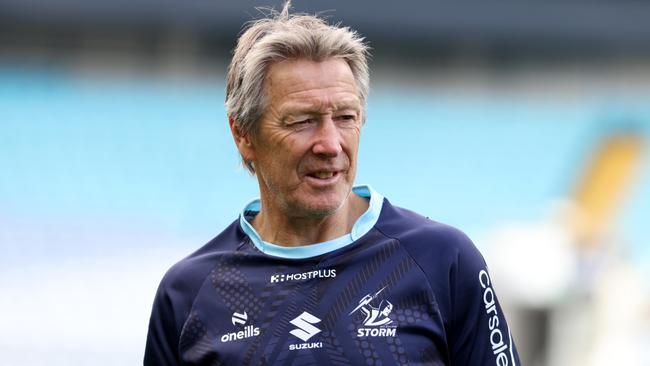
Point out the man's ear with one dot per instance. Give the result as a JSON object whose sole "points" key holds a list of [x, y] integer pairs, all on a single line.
{"points": [[243, 141]]}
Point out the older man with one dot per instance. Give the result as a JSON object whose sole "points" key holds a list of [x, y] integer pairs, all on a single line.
{"points": [[317, 272]]}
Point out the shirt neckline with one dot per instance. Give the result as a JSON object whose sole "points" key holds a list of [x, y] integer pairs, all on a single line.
{"points": [[364, 223]]}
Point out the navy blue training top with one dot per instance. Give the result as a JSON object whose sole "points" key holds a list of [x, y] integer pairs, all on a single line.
{"points": [[408, 291]]}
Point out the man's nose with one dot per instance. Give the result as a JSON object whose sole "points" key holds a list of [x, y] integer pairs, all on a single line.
{"points": [[328, 138]]}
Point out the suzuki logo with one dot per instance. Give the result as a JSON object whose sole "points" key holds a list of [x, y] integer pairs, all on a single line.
{"points": [[305, 329], [238, 318]]}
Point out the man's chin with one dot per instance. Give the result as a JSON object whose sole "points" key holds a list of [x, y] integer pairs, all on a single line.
{"points": [[317, 209]]}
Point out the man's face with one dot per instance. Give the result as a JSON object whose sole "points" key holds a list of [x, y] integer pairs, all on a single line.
{"points": [[305, 149]]}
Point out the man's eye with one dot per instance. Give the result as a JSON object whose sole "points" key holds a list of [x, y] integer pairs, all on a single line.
{"points": [[347, 117], [302, 122]]}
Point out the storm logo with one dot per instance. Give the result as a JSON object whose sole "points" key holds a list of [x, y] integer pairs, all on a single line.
{"points": [[376, 317]]}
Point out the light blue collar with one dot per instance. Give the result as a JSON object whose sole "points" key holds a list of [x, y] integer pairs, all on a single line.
{"points": [[364, 223]]}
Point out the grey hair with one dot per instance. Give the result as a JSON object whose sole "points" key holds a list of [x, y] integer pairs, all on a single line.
{"points": [[282, 36]]}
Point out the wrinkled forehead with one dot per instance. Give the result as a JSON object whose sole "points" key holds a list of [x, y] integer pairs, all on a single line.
{"points": [[305, 84], [322, 104]]}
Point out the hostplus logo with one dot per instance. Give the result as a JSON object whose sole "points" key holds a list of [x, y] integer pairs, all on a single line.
{"points": [[377, 322], [305, 330], [248, 331], [320, 273]]}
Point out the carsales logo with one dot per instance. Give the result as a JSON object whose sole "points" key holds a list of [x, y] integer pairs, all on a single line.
{"points": [[497, 339]]}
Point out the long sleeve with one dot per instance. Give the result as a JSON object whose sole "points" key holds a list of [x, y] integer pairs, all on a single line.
{"points": [[479, 333], [163, 335]]}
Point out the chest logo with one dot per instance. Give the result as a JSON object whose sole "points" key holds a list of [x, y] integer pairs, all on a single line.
{"points": [[305, 330], [291, 277], [238, 318], [247, 332], [377, 322], [305, 322]]}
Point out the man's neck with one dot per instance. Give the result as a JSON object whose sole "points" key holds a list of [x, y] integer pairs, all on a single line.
{"points": [[296, 231]]}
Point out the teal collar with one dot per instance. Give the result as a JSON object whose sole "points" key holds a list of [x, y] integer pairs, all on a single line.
{"points": [[364, 223]]}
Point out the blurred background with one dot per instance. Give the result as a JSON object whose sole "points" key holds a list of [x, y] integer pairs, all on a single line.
{"points": [[526, 124]]}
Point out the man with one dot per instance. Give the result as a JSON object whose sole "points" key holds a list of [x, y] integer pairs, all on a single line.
{"points": [[317, 272]]}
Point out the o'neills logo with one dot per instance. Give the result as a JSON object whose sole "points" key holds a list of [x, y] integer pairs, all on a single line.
{"points": [[247, 332], [320, 273], [497, 339]]}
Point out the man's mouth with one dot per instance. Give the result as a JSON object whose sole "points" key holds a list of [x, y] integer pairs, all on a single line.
{"points": [[323, 175]]}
